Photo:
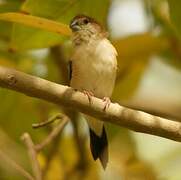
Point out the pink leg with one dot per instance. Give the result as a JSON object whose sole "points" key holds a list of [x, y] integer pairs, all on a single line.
{"points": [[89, 94], [107, 103]]}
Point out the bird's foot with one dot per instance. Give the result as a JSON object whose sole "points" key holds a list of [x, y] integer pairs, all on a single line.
{"points": [[89, 94], [107, 103]]}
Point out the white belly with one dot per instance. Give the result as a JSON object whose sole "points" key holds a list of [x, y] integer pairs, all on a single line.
{"points": [[94, 69]]}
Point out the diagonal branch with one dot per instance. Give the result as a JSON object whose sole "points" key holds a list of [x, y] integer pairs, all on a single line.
{"points": [[54, 133], [63, 95], [49, 121], [33, 156], [15, 165]]}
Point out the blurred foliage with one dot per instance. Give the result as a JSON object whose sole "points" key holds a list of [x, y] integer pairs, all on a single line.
{"points": [[61, 11], [31, 50], [175, 15]]}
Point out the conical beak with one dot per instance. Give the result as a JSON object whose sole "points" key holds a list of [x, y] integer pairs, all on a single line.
{"points": [[74, 26]]}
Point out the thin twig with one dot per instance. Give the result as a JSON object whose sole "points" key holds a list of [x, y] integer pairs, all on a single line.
{"points": [[49, 121], [16, 166], [54, 133], [61, 64], [53, 150], [33, 156]]}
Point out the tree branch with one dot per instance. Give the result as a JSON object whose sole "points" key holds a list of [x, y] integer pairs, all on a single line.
{"points": [[33, 156], [15, 165], [64, 95], [49, 121], [54, 133]]}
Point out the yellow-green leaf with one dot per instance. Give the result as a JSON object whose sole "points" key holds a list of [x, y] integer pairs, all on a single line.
{"points": [[175, 15], [139, 45], [37, 22]]}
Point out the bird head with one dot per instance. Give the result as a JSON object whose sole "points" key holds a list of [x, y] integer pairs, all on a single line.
{"points": [[85, 29], [83, 23]]}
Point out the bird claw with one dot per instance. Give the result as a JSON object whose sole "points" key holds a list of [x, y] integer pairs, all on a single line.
{"points": [[89, 94], [107, 103]]}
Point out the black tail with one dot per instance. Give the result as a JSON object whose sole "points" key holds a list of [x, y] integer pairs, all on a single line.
{"points": [[99, 147]]}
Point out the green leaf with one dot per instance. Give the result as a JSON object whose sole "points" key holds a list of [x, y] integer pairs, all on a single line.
{"points": [[38, 23], [59, 10], [175, 15], [64, 10], [6, 27], [20, 33]]}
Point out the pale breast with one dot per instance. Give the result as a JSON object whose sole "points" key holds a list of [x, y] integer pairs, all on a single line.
{"points": [[94, 68]]}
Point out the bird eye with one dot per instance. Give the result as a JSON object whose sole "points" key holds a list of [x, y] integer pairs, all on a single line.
{"points": [[85, 21]]}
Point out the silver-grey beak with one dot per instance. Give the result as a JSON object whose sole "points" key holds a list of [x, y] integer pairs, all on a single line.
{"points": [[74, 26]]}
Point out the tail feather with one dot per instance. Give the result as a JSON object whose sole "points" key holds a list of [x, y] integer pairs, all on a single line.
{"points": [[99, 147]]}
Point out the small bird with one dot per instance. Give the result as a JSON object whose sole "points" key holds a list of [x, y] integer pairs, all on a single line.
{"points": [[93, 71]]}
